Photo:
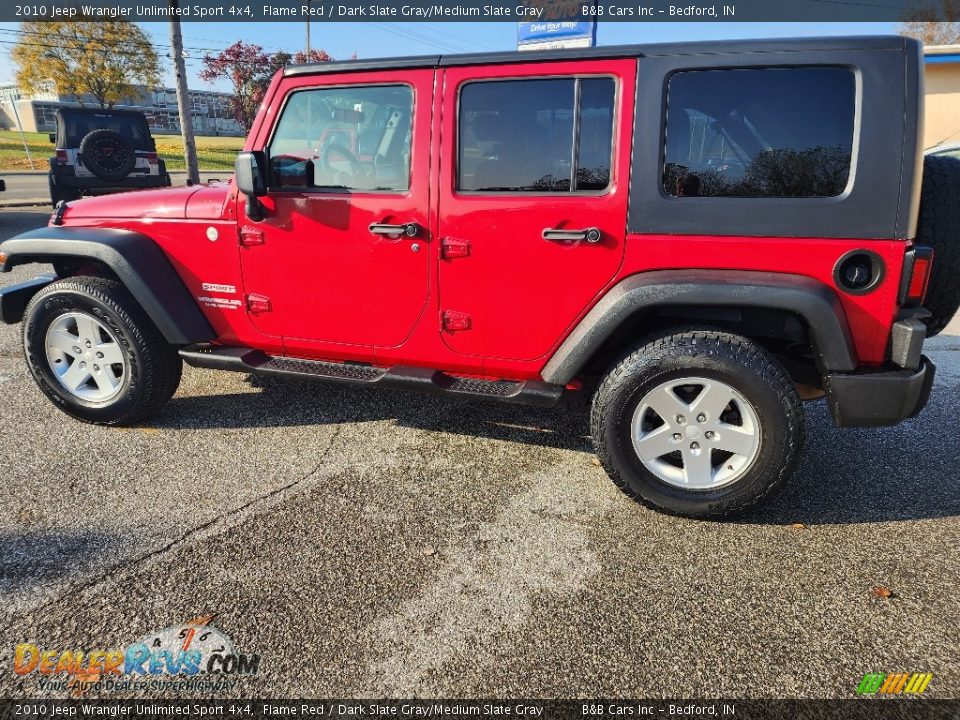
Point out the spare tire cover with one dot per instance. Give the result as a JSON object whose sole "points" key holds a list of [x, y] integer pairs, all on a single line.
{"points": [[939, 228], [107, 154]]}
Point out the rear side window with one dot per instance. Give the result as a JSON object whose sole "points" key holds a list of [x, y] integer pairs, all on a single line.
{"points": [[764, 133], [345, 138], [551, 135]]}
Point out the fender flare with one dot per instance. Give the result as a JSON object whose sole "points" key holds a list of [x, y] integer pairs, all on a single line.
{"points": [[135, 259], [810, 299]]}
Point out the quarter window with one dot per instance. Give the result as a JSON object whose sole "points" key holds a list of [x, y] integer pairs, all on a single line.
{"points": [[353, 138], [536, 135], [774, 132]]}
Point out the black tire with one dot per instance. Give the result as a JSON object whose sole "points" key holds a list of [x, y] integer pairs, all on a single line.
{"points": [[57, 194], [153, 366], [939, 227], [107, 154], [57, 197], [710, 354]]}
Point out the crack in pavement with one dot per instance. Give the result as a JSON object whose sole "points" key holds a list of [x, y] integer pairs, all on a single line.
{"points": [[227, 519]]}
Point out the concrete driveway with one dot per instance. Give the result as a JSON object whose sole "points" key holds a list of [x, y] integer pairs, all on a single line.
{"points": [[385, 544]]}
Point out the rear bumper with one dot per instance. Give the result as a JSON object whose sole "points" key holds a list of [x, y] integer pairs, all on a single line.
{"points": [[94, 185], [876, 399], [15, 298]]}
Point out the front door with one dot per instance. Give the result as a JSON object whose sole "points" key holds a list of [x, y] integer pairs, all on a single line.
{"points": [[533, 199], [341, 255]]}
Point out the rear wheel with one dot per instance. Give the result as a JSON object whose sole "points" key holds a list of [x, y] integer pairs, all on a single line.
{"points": [[700, 423], [58, 194], [95, 354]]}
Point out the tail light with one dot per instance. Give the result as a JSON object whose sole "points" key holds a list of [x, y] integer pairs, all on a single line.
{"points": [[61, 156], [917, 264], [152, 158]]}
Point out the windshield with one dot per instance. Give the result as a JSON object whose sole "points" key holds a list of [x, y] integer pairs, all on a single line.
{"points": [[133, 129]]}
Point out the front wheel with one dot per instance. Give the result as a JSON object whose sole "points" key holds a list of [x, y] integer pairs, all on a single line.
{"points": [[700, 423], [95, 353]]}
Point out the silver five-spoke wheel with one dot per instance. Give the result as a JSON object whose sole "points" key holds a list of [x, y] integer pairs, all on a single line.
{"points": [[696, 433], [85, 357]]}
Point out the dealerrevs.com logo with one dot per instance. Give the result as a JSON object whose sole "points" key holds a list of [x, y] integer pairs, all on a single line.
{"points": [[192, 656], [894, 683]]}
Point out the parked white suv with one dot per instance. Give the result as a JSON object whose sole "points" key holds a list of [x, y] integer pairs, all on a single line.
{"points": [[103, 151]]}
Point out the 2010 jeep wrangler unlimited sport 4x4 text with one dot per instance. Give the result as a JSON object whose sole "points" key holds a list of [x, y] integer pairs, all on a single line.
{"points": [[700, 235]]}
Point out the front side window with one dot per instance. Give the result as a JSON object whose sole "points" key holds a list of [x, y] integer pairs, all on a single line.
{"points": [[551, 135], [772, 132], [352, 138]]}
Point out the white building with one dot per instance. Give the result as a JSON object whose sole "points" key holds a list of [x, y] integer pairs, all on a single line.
{"points": [[210, 110]]}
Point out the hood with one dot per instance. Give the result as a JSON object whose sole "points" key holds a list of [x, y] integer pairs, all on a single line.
{"points": [[197, 201]]}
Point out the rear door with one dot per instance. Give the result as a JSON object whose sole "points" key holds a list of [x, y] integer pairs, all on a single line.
{"points": [[532, 199]]}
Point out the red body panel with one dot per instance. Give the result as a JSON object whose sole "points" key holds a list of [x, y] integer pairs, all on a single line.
{"points": [[165, 203], [519, 289], [335, 287], [340, 293], [869, 316]]}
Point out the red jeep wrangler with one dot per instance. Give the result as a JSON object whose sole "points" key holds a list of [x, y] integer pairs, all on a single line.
{"points": [[702, 235]]}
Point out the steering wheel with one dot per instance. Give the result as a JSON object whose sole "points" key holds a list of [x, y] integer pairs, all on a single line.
{"points": [[332, 150]]}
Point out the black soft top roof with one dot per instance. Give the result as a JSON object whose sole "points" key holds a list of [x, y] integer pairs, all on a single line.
{"points": [[100, 111], [73, 123], [714, 47]]}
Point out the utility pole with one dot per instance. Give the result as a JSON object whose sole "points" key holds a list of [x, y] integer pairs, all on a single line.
{"points": [[183, 98], [308, 30]]}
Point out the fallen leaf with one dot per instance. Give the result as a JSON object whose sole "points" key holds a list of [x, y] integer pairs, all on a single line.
{"points": [[881, 592], [596, 461], [429, 551], [798, 526]]}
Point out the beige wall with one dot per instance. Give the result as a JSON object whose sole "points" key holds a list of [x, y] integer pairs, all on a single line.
{"points": [[8, 120], [942, 122]]}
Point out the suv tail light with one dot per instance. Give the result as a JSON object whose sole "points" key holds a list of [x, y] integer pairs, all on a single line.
{"points": [[61, 156], [917, 264], [152, 158]]}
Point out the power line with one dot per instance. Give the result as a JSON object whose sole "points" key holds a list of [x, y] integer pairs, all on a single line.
{"points": [[481, 45], [101, 41], [125, 53], [417, 37]]}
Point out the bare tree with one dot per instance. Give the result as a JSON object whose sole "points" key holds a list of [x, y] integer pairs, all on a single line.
{"points": [[946, 31]]}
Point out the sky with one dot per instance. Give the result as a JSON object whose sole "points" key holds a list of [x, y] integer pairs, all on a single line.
{"points": [[380, 39]]}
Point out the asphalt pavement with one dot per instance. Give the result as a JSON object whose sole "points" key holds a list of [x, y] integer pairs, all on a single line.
{"points": [[373, 543]]}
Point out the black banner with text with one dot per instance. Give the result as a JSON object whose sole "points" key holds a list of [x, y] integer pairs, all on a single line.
{"points": [[421, 709], [480, 10]]}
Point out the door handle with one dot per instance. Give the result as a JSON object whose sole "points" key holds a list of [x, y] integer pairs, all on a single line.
{"points": [[590, 235], [411, 229]]}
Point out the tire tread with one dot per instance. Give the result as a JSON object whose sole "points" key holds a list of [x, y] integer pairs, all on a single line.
{"points": [[939, 228], [736, 348], [160, 365]]}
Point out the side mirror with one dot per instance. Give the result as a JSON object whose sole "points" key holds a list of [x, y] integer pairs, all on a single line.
{"points": [[249, 171], [53, 137]]}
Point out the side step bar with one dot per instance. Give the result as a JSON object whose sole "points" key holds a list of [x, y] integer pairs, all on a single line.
{"points": [[254, 361]]}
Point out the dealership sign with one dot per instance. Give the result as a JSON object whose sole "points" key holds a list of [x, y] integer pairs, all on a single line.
{"points": [[563, 25]]}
